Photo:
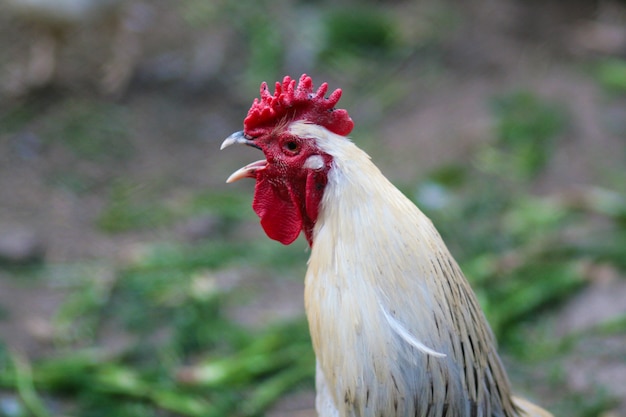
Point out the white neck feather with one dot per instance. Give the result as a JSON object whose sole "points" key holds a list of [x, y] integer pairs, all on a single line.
{"points": [[390, 312]]}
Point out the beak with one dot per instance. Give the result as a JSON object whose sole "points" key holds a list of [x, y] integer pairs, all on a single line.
{"points": [[237, 138], [249, 171]]}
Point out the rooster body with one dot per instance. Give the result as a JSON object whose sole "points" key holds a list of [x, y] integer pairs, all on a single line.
{"points": [[396, 328], [382, 285]]}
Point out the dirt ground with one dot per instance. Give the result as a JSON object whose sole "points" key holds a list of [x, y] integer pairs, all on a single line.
{"points": [[179, 114]]}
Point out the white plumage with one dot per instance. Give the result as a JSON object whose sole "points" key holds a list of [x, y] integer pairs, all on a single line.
{"points": [[394, 323]]}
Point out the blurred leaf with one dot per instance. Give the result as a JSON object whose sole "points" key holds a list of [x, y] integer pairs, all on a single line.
{"points": [[526, 130], [452, 176], [230, 206], [26, 388], [612, 75], [19, 116], [91, 130], [531, 218], [362, 31], [528, 289], [266, 48], [125, 210]]}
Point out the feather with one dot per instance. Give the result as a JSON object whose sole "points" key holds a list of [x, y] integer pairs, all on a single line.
{"points": [[397, 327]]}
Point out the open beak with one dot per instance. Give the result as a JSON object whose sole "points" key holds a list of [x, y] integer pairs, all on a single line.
{"points": [[250, 170]]}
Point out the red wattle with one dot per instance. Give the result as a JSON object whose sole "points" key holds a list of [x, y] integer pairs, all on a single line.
{"points": [[315, 185], [280, 216]]}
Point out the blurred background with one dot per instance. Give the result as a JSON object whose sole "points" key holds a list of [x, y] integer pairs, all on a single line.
{"points": [[134, 282]]}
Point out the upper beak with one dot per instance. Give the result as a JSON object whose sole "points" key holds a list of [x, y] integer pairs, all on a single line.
{"points": [[249, 171], [239, 138]]}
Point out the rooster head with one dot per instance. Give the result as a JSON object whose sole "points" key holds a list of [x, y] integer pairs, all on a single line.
{"points": [[290, 182]]}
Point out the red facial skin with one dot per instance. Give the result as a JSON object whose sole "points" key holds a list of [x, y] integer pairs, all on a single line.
{"points": [[287, 195]]}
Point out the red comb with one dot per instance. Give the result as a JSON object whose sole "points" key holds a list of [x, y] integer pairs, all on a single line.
{"points": [[296, 103]]}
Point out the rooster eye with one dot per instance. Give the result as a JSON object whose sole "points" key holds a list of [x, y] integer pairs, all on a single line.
{"points": [[291, 146]]}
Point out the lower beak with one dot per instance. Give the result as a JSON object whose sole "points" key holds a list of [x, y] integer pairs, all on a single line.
{"points": [[250, 170]]}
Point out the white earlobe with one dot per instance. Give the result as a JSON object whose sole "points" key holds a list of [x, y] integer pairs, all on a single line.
{"points": [[315, 162]]}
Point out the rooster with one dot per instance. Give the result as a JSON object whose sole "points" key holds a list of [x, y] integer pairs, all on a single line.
{"points": [[395, 326]]}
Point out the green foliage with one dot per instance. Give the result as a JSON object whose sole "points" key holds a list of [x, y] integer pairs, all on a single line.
{"points": [[612, 75], [91, 130], [126, 211], [597, 403], [16, 117], [525, 135], [266, 50], [358, 32], [183, 355], [230, 206]]}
